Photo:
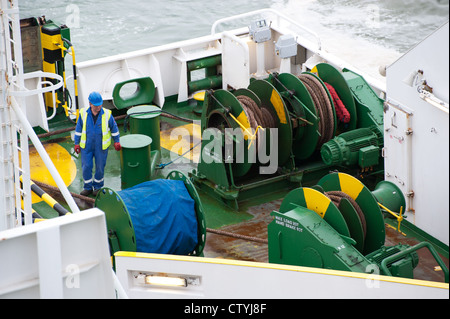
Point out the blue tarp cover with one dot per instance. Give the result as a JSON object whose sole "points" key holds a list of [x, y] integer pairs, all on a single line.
{"points": [[163, 216]]}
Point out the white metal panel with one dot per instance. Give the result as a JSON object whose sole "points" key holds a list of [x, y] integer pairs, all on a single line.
{"points": [[397, 150], [159, 63], [64, 257], [235, 62], [429, 157], [230, 279], [36, 113]]}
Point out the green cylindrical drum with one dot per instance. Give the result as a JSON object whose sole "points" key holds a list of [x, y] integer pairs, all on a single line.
{"points": [[144, 119], [135, 159]]}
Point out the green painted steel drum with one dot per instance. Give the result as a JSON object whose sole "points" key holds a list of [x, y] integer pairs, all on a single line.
{"points": [[329, 74], [118, 220], [144, 119], [319, 203], [271, 99], [216, 118], [306, 137], [135, 159], [375, 232]]}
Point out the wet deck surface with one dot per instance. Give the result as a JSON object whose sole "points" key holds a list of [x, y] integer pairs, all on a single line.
{"points": [[427, 269], [234, 248]]}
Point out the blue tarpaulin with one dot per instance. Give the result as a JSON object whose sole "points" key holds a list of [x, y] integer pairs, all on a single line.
{"points": [[163, 216]]}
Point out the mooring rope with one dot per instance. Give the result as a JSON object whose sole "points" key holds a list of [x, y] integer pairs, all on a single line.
{"points": [[323, 107], [336, 197], [238, 236], [257, 117]]}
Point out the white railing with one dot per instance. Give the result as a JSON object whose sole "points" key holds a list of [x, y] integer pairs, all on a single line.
{"points": [[15, 129], [279, 19]]}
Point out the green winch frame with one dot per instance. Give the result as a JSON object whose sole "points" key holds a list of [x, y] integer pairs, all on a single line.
{"points": [[121, 234], [338, 224], [311, 141]]}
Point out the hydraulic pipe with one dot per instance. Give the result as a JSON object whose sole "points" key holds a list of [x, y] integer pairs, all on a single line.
{"points": [[204, 63]]}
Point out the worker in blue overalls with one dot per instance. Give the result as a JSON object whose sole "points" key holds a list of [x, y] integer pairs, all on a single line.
{"points": [[95, 127]]}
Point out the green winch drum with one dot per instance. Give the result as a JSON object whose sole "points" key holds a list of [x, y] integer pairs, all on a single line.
{"points": [[121, 230], [135, 159], [144, 119]]}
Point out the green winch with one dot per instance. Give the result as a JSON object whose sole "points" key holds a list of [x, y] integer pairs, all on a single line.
{"points": [[339, 225], [272, 134], [131, 225]]}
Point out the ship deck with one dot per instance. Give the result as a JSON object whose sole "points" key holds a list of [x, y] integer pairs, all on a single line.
{"points": [[226, 227]]}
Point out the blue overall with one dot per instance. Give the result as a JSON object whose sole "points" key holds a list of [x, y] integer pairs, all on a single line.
{"points": [[93, 149]]}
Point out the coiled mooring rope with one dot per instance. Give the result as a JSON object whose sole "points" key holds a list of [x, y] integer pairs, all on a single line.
{"points": [[336, 197], [323, 107], [256, 116]]}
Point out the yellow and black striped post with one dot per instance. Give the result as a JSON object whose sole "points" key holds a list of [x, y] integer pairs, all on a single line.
{"points": [[52, 54], [48, 199]]}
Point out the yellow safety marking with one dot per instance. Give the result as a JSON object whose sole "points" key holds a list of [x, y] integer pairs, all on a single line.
{"points": [[316, 201], [246, 131], [252, 264], [399, 217], [51, 42], [350, 185], [51, 68], [48, 67], [49, 200], [200, 96], [277, 103], [181, 139], [242, 120], [63, 162], [315, 71]]}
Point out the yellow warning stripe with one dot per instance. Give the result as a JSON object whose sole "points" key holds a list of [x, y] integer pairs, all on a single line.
{"points": [[278, 104], [49, 200], [316, 201], [244, 123], [350, 185]]}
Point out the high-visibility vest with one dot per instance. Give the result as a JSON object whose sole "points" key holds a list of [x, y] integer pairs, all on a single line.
{"points": [[106, 132]]}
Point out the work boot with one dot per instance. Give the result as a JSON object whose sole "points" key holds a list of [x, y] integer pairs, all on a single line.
{"points": [[95, 192], [86, 192]]}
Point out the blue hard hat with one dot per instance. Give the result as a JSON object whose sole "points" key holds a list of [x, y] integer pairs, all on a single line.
{"points": [[95, 98]]}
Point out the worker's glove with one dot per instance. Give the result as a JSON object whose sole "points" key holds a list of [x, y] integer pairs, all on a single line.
{"points": [[77, 149], [117, 146]]}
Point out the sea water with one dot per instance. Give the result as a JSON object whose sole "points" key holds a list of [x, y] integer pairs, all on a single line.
{"points": [[368, 33]]}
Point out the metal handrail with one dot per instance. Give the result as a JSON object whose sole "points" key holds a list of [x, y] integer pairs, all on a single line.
{"points": [[407, 251], [26, 92], [267, 10], [44, 156]]}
